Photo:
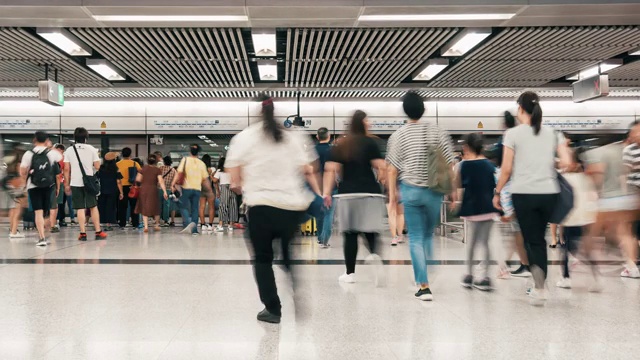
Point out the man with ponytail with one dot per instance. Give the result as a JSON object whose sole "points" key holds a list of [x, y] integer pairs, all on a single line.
{"points": [[276, 199], [529, 161]]}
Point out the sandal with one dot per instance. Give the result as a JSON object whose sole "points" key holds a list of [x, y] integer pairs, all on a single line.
{"points": [[146, 230]]}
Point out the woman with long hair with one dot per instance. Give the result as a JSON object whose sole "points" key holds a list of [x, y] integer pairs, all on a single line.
{"points": [[228, 200], [110, 191], [276, 199], [529, 161], [360, 204], [207, 198], [148, 178]]}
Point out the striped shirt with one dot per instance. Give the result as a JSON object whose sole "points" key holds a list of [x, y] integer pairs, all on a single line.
{"points": [[631, 157], [407, 150]]}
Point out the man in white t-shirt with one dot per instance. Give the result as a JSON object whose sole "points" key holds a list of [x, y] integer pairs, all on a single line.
{"points": [[74, 182], [38, 167]]}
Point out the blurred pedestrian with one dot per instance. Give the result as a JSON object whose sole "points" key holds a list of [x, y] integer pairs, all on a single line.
{"points": [[167, 207], [276, 199], [529, 161], [207, 198], [408, 155], [476, 178], [192, 177], [129, 170], [228, 207], [359, 202]]}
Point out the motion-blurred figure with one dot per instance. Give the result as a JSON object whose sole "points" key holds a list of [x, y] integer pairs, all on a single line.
{"points": [[276, 199], [359, 202]]}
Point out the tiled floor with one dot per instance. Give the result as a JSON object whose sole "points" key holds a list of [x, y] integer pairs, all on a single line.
{"points": [[66, 304]]}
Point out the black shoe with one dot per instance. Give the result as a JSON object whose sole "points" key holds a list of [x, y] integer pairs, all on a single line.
{"points": [[63, 224], [467, 281], [553, 246], [268, 317], [484, 284], [424, 294], [522, 271], [172, 224], [404, 232]]}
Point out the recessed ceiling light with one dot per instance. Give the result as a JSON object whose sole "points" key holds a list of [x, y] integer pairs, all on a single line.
{"points": [[268, 70], [432, 68], [64, 41], [264, 42], [466, 41], [106, 69], [171, 18], [436, 17], [208, 140], [635, 52], [202, 137]]}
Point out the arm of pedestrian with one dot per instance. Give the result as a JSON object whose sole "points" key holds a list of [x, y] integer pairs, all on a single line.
{"points": [[312, 178], [381, 166], [236, 179]]}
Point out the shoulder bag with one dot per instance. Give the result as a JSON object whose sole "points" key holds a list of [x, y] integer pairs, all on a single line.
{"points": [[440, 177], [91, 182]]}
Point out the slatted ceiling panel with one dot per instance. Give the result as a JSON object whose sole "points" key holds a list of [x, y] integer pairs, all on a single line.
{"points": [[533, 56], [22, 59], [358, 57], [110, 93], [626, 75], [174, 57]]}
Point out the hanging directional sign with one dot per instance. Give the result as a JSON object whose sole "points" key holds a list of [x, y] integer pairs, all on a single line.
{"points": [[590, 88], [51, 92]]}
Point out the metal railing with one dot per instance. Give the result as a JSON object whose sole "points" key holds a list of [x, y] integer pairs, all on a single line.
{"points": [[445, 224]]}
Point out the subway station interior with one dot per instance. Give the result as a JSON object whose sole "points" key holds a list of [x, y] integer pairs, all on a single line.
{"points": [[159, 76]]}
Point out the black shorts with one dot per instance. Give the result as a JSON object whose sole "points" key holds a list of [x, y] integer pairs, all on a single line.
{"points": [[40, 198], [80, 199]]}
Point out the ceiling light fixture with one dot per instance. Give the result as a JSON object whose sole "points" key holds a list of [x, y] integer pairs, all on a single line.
{"points": [[268, 70], [432, 68], [106, 69], [601, 68], [208, 141], [436, 17], [202, 137], [64, 41], [635, 52], [264, 42], [171, 18], [465, 41]]}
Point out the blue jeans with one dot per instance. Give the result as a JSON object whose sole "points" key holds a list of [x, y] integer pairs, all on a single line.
{"points": [[325, 223], [165, 205], [422, 213], [189, 203]]}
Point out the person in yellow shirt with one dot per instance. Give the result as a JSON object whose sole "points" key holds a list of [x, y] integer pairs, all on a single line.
{"points": [[195, 175], [129, 169]]}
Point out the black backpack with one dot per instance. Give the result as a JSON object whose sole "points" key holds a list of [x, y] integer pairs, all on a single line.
{"points": [[42, 174]]}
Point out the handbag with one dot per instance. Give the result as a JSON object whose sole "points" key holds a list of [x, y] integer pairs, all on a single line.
{"points": [[134, 192], [564, 203], [180, 177], [439, 173], [91, 182]]}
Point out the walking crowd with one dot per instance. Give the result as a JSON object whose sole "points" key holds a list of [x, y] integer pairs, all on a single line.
{"points": [[529, 180]]}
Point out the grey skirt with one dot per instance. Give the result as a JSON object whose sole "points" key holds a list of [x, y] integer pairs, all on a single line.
{"points": [[360, 212]]}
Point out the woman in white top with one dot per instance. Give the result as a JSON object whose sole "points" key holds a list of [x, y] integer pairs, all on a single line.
{"points": [[228, 201], [276, 199], [529, 161]]}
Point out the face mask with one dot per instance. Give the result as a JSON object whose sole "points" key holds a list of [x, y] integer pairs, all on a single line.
{"points": [[194, 151]]}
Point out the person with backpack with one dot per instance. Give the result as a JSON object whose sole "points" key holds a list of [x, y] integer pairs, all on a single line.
{"points": [[420, 155], [81, 162], [129, 169], [39, 170]]}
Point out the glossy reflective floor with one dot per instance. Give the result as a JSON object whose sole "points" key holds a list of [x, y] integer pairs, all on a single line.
{"points": [[170, 296]]}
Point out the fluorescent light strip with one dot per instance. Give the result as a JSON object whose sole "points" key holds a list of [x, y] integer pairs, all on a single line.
{"points": [[64, 41], [466, 42], [264, 43], [170, 18], [436, 17], [268, 70], [433, 68], [105, 69], [635, 52]]}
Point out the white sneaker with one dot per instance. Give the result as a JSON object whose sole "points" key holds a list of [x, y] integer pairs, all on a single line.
{"points": [[631, 273], [17, 235], [564, 283], [203, 228], [209, 227], [347, 278], [219, 229], [537, 297], [188, 228], [378, 271], [229, 229], [41, 242]]}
